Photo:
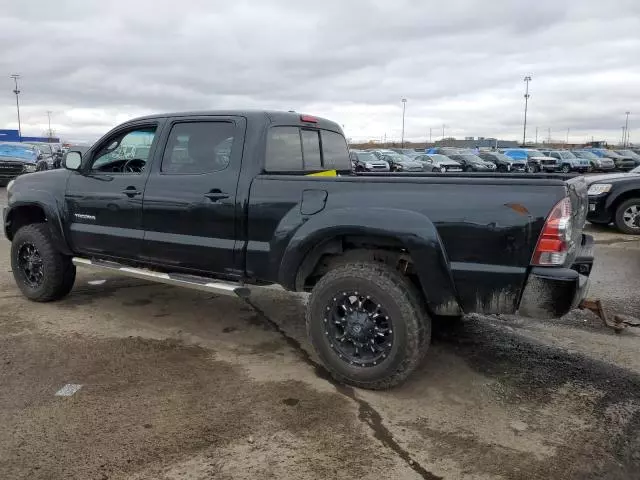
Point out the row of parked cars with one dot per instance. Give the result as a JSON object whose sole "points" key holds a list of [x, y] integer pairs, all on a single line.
{"points": [[26, 157], [516, 160]]}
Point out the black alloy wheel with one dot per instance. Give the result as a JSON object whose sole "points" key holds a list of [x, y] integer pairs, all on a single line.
{"points": [[30, 264], [359, 329]]}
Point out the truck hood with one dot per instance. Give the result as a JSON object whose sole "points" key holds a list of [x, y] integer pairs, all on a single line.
{"points": [[5, 158], [610, 177]]}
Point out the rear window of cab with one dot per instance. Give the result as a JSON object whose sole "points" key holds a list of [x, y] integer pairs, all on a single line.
{"points": [[299, 149]]}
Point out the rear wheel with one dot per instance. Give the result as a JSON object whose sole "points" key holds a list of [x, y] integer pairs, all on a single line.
{"points": [[627, 217], [502, 168], [368, 324], [40, 271]]}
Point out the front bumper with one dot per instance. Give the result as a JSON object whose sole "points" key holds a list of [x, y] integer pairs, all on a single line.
{"points": [[598, 211], [551, 292]]}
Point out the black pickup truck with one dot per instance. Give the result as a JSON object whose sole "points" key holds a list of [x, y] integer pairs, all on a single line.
{"points": [[221, 200]]}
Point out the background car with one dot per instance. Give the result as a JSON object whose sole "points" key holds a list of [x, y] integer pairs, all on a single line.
{"points": [[602, 164], [448, 151], [367, 162], [630, 154], [504, 163], [45, 154], [438, 163], [615, 197], [16, 159], [473, 163], [536, 160], [568, 162], [401, 163], [622, 163]]}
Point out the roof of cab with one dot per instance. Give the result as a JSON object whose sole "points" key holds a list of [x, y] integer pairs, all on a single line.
{"points": [[271, 116]]}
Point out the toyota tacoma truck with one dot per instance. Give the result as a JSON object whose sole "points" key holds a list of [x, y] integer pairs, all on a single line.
{"points": [[223, 201]]}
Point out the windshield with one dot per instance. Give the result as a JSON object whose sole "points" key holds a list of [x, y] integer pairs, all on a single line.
{"points": [[534, 153], [567, 155], [501, 156], [471, 158], [397, 157], [437, 158], [587, 155], [367, 157], [628, 153]]}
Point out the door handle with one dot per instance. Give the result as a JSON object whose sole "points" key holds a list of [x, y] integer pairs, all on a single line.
{"points": [[131, 192], [216, 195]]}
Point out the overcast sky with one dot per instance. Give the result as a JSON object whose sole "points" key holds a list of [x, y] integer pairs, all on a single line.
{"points": [[457, 62]]}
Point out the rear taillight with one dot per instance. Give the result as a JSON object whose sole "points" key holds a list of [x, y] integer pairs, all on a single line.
{"points": [[553, 244]]}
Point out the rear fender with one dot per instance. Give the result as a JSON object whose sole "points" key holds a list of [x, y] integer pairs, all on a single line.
{"points": [[414, 231]]}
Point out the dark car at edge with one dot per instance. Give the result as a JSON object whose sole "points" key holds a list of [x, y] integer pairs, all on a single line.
{"points": [[615, 198]]}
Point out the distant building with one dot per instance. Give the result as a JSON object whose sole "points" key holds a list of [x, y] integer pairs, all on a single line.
{"points": [[13, 136], [480, 142]]}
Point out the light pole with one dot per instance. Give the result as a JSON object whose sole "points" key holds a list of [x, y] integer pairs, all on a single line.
{"points": [[625, 140], [49, 112], [404, 107], [15, 77], [536, 135], [567, 141], [430, 131], [443, 125], [623, 135], [527, 79]]}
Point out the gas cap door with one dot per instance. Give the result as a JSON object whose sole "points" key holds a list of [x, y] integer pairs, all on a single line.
{"points": [[313, 201]]}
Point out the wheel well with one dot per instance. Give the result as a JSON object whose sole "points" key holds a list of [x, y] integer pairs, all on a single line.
{"points": [[623, 197], [353, 248], [21, 216]]}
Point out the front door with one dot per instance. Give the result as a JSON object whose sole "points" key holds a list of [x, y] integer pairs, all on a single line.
{"points": [[189, 207], [104, 198]]}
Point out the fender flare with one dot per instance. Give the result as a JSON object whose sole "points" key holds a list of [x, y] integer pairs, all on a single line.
{"points": [[613, 199], [52, 215], [414, 231]]}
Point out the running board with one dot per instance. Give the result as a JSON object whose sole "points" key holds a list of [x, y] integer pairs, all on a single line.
{"points": [[177, 279]]}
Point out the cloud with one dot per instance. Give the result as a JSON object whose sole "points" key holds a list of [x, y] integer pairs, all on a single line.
{"points": [[459, 63]]}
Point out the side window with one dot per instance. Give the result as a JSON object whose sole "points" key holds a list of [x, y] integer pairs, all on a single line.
{"points": [[198, 147], [126, 153], [284, 150], [334, 151], [311, 149], [556, 155]]}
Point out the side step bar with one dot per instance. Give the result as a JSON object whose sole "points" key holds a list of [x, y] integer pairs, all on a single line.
{"points": [[177, 279]]}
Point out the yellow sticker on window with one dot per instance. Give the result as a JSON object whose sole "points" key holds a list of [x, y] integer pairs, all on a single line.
{"points": [[326, 173]]}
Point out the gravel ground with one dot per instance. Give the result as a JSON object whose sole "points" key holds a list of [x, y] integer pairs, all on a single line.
{"points": [[178, 384]]}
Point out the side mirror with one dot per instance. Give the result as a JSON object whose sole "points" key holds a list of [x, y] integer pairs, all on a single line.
{"points": [[73, 160], [40, 156]]}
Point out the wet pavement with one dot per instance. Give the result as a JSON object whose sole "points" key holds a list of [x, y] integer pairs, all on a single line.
{"points": [[177, 384]]}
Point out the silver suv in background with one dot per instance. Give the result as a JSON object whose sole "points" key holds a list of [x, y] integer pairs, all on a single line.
{"points": [[568, 162], [597, 163]]}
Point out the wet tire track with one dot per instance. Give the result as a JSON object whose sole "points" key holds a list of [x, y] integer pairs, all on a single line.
{"points": [[366, 413]]}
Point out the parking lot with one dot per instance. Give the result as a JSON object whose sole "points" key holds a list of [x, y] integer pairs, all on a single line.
{"points": [[178, 384]]}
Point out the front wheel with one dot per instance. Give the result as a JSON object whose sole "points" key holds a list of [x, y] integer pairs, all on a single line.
{"points": [[368, 324], [627, 217], [40, 271], [565, 168], [502, 169]]}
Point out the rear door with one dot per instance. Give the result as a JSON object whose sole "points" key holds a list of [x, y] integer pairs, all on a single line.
{"points": [[189, 207]]}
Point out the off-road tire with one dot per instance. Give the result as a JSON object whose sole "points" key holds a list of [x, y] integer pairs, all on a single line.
{"points": [[59, 272], [405, 305], [618, 219]]}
